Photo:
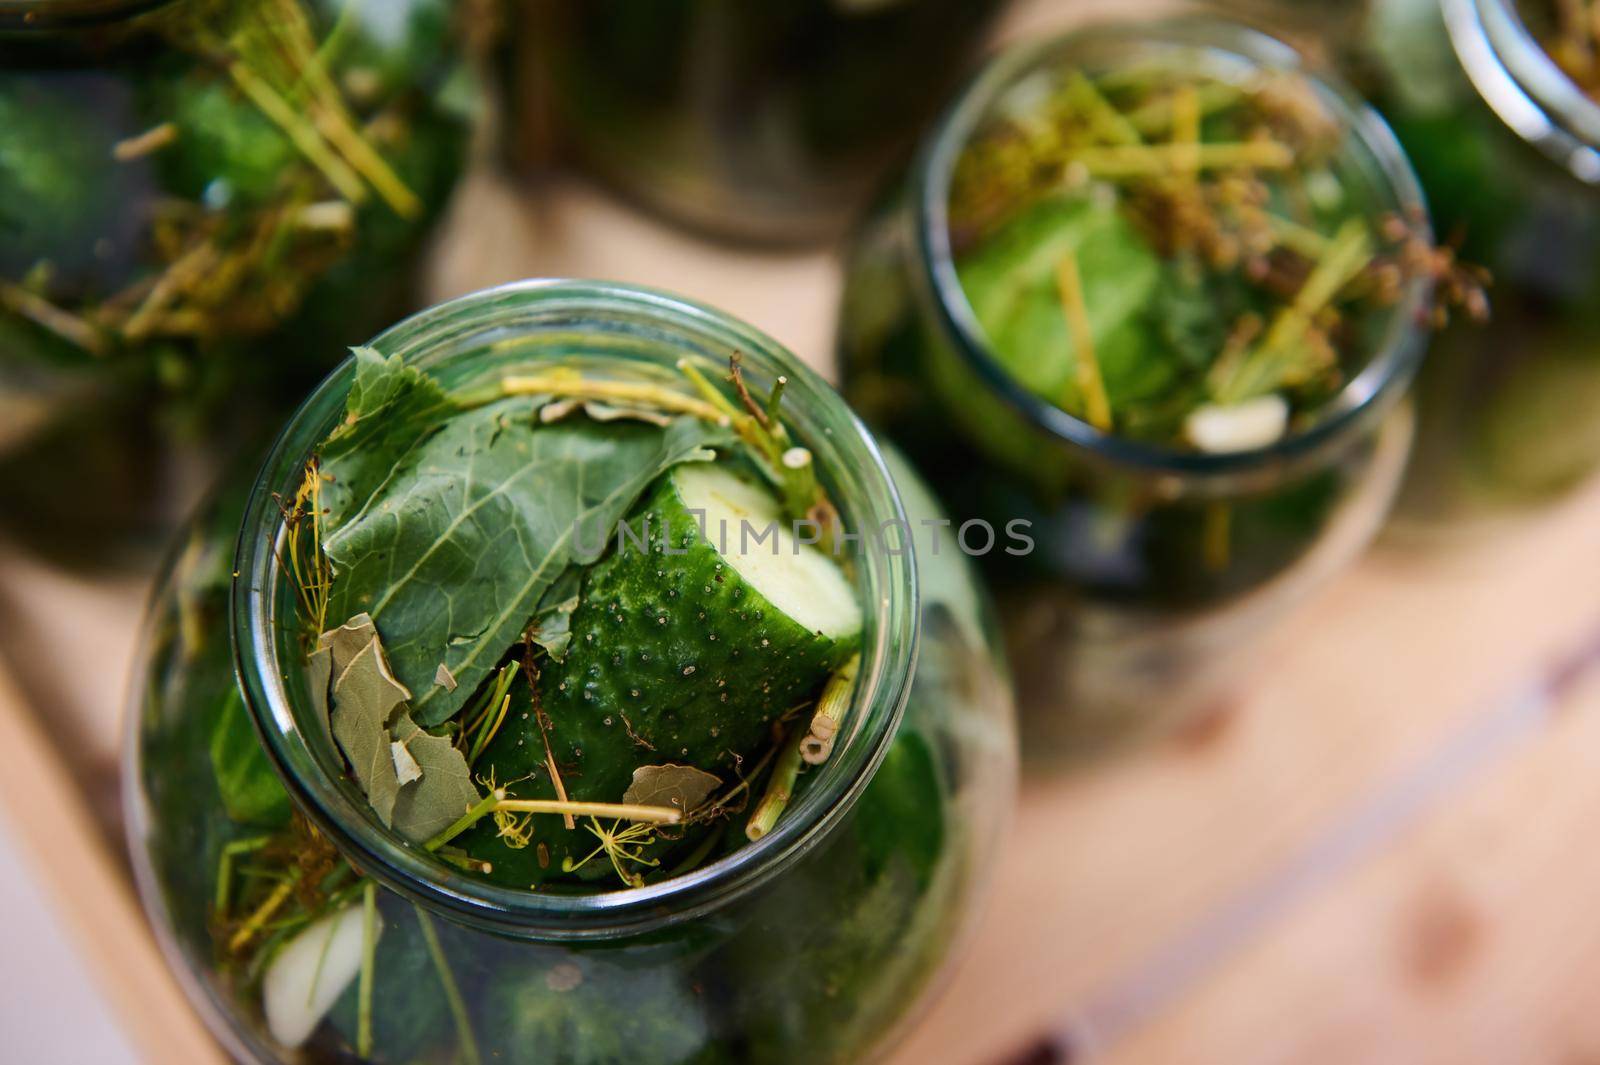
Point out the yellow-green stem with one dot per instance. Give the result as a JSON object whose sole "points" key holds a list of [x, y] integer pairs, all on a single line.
{"points": [[780, 786]]}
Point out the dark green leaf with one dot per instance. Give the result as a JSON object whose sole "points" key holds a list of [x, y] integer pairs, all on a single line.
{"points": [[251, 790], [1010, 281], [466, 529], [392, 408]]}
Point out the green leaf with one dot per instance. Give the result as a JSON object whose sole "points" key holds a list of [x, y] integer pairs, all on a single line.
{"points": [[470, 523], [391, 409], [1010, 281], [251, 791], [682, 786], [552, 624], [431, 803]]}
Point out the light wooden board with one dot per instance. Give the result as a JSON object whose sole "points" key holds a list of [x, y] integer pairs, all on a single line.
{"points": [[1120, 889], [64, 841]]}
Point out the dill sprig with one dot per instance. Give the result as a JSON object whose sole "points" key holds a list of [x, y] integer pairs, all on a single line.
{"points": [[301, 556]]}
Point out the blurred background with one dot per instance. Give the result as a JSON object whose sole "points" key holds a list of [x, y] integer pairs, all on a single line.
{"points": [[1370, 847]]}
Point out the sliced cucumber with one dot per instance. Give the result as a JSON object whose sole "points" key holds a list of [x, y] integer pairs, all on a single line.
{"points": [[688, 641], [748, 528]]}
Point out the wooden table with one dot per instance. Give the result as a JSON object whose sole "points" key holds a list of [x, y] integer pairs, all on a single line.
{"points": [[1379, 853]]}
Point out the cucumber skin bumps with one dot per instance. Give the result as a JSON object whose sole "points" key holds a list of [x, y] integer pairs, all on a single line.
{"points": [[675, 658]]}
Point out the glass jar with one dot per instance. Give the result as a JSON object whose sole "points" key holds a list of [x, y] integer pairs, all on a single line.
{"points": [[1508, 151], [813, 944], [1153, 570], [765, 122], [200, 202]]}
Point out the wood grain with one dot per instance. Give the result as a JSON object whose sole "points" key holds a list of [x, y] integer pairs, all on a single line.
{"points": [[91, 890]]}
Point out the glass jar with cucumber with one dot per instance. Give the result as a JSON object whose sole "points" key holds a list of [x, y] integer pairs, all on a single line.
{"points": [[1155, 289], [768, 122], [598, 699], [198, 200]]}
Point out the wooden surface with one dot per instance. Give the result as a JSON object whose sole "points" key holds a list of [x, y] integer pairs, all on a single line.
{"points": [[1378, 854]]}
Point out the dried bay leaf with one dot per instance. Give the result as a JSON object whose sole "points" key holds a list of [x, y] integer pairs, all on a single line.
{"points": [[319, 675], [416, 783], [365, 697], [470, 523], [347, 641], [433, 801], [680, 786], [406, 768]]}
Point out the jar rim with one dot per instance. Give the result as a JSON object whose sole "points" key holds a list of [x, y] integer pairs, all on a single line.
{"points": [[1526, 89], [1380, 382], [864, 490]]}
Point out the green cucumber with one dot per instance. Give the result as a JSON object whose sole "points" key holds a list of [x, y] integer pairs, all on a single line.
{"points": [[689, 640]]}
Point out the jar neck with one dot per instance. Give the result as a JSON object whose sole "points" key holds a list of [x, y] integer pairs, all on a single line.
{"points": [[1371, 158], [1520, 83], [515, 327]]}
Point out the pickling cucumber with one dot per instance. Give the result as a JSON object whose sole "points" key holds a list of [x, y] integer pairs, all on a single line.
{"points": [[705, 622]]}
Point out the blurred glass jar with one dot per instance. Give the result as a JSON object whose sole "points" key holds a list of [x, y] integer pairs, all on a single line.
{"points": [[1154, 570], [766, 121], [200, 201], [813, 945], [1508, 150]]}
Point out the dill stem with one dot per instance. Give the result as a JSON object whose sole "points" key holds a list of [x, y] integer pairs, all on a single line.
{"points": [[776, 398], [567, 820], [575, 387], [225, 866], [487, 733], [452, 993], [1086, 367], [657, 815], [1157, 115], [142, 144], [709, 392], [183, 272], [496, 800], [305, 137], [369, 955], [41, 312], [1154, 160], [1348, 253], [332, 118], [262, 914], [780, 787], [749, 429], [1186, 130], [1298, 238], [832, 706], [1110, 124], [474, 813]]}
